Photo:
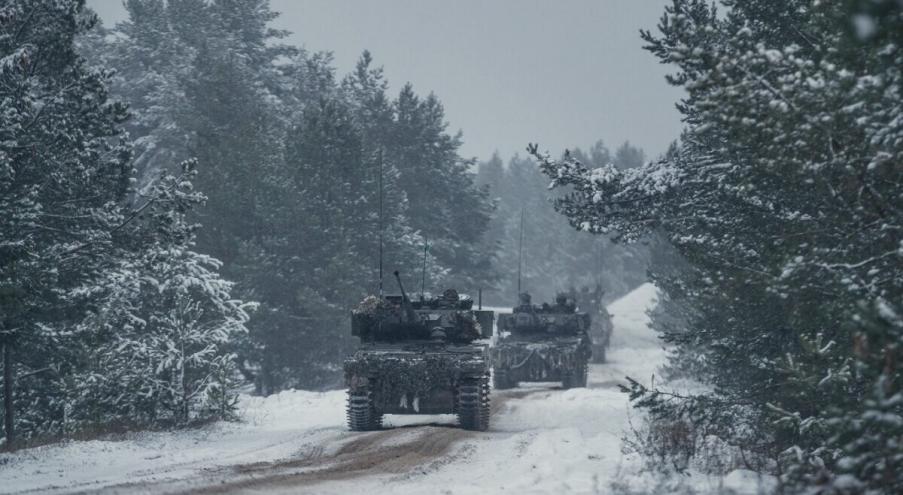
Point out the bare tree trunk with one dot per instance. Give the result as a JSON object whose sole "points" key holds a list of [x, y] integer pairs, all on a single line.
{"points": [[8, 396]]}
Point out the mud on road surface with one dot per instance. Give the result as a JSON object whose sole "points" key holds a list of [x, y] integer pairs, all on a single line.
{"points": [[397, 451]]}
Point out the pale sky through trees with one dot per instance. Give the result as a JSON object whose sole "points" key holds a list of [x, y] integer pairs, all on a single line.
{"points": [[508, 71]]}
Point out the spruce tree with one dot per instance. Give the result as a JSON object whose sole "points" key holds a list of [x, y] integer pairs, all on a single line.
{"points": [[294, 225], [74, 245], [783, 198], [556, 258], [63, 169]]}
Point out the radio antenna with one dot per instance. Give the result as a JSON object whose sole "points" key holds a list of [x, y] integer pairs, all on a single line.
{"points": [[380, 223], [426, 245], [520, 251], [599, 260]]}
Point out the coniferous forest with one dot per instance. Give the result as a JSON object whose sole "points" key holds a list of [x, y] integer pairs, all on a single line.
{"points": [[236, 179], [783, 199], [191, 207]]}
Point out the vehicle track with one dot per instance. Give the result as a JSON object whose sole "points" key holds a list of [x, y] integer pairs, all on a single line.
{"points": [[382, 452], [393, 451], [402, 452], [173, 470]]}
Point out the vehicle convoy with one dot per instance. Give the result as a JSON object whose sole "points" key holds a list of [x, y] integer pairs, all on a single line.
{"points": [[542, 344], [419, 357]]}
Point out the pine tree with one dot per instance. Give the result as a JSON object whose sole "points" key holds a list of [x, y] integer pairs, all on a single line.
{"points": [[443, 202], [783, 198], [73, 245], [294, 224], [62, 170], [206, 83], [556, 258], [628, 156], [163, 324]]}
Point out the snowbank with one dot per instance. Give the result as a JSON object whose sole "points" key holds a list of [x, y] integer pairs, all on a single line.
{"points": [[273, 428]]}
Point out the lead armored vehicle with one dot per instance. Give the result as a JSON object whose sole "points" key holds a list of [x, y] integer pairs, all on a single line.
{"points": [[419, 357], [542, 344]]}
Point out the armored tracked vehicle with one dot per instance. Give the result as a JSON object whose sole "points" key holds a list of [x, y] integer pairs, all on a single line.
{"points": [[542, 344], [419, 357], [601, 325]]}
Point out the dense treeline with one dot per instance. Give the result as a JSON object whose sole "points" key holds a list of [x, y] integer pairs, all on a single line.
{"points": [[290, 158], [190, 128], [784, 201], [553, 256], [109, 314], [188, 204]]}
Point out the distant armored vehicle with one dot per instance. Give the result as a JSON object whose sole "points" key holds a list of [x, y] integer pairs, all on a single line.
{"points": [[601, 326], [600, 334], [419, 357], [542, 344]]}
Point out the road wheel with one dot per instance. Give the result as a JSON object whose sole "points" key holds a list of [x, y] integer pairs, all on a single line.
{"points": [[473, 403], [361, 412]]}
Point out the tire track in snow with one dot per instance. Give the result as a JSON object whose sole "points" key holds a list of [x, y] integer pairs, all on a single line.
{"points": [[173, 471], [403, 452]]}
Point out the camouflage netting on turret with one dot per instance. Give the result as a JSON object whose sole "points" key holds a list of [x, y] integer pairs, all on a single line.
{"points": [[379, 320], [369, 306], [398, 373]]}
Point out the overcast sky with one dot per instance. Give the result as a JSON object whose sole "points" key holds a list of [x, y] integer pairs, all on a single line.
{"points": [[509, 72]]}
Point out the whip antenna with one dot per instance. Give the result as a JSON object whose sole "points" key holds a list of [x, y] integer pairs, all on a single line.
{"points": [[426, 245], [380, 223], [600, 261], [520, 251]]}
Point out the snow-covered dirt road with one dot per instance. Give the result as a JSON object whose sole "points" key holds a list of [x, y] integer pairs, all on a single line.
{"points": [[542, 440]]}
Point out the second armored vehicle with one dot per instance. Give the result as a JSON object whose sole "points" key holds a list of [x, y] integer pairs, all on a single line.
{"points": [[542, 344], [419, 357]]}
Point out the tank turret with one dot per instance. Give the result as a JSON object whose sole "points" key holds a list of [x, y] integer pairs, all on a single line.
{"points": [[397, 318]]}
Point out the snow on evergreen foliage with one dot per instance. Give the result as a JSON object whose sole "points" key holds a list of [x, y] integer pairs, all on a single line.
{"points": [[289, 159], [166, 321], [109, 314], [783, 196], [555, 257]]}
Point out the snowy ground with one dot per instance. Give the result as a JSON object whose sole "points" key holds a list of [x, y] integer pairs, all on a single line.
{"points": [[542, 440]]}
